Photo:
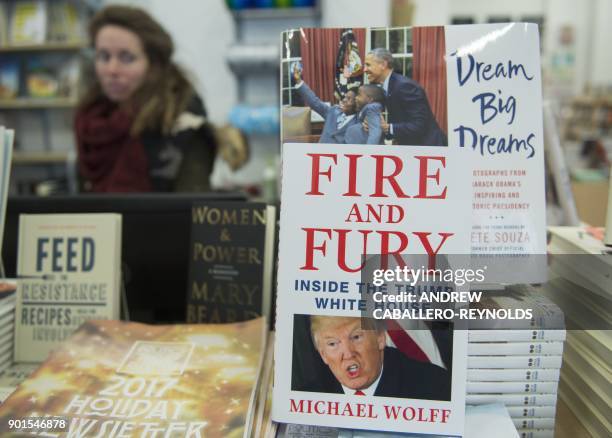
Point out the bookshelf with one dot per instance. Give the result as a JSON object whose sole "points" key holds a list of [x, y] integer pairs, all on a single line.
{"points": [[41, 55], [37, 103], [44, 47]]}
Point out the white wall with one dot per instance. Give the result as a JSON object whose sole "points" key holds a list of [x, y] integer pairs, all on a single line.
{"points": [[355, 13], [601, 72]]}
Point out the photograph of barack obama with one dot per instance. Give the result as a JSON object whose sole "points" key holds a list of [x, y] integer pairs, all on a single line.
{"points": [[350, 355]]}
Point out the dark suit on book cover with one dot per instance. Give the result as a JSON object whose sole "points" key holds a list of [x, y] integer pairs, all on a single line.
{"points": [[410, 114], [331, 114], [401, 377]]}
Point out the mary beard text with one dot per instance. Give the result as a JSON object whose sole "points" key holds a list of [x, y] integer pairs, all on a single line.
{"points": [[388, 170], [369, 410]]}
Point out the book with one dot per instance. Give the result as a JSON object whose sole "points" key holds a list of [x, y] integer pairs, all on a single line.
{"points": [[9, 77], [577, 248], [69, 267], [485, 421], [513, 399], [184, 380], [514, 348], [263, 401], [531, 411], [7, 137], [595, 422], [515, 335], [512, 375], [545, 313], [12, 377], [65, 22], [28, 22], [512, 387], [536, 433], [597, 342], [534, 423], [231, 260], [587, 387], [580, 310], [455, 108], [4, 24], [320, 269], [502, 362]]}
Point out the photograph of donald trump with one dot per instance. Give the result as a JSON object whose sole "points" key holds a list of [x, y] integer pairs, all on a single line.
{"points": [[350, 356]]}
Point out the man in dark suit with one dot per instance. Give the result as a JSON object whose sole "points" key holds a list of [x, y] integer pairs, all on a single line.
{"points": [[355, 351], [411, 121], [338, 118]]}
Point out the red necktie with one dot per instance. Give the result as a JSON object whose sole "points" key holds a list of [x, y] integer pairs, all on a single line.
{"points": [[404, 342], [359, 392]]}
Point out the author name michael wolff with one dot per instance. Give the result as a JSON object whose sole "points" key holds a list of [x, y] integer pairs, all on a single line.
{"points": [[370, 410]]}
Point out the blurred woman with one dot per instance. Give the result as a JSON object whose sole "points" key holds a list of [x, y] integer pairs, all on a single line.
{"points": [[140, 127]]}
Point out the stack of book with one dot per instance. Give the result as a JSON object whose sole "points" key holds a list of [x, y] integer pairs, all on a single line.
{"points": [[581, 284], [484, 421], [12, 377], [518, 362], [7, 322]]}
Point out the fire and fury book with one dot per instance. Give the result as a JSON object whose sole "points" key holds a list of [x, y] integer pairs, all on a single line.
{"points": [[336, 209], [69, 269]]}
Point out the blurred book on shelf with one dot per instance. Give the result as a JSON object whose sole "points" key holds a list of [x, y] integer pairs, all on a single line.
{"points": [[4, 22], [28, 22], [9, 77], [65, 22]]}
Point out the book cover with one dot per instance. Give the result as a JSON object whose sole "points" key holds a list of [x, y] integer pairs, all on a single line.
{"points": [[69, 268], [436, 92], [231, 260], [179, 380], [331, 218], [514, 348], [29, 22], [512, 375]]}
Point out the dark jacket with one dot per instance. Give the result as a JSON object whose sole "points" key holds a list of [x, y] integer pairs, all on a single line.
{"points": [[401, 377], [410, 114], [183, 160]]}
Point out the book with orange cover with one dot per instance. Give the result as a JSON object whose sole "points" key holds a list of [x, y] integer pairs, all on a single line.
{"points": [[113, 378]]}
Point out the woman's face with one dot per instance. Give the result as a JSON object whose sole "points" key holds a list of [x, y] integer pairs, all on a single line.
{"points": [[121, 62]]}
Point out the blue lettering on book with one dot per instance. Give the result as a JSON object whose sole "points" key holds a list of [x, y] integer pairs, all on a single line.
{"points": [[493, 105], [59, 254]]}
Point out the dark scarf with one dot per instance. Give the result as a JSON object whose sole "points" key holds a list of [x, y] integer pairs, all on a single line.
{"points": [[110, 159]]}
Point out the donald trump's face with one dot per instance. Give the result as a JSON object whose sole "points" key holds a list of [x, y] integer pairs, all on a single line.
{"points": [[353, 354]]}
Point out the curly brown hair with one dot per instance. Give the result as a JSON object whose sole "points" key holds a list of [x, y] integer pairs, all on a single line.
{"points": [[166, 91]]}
